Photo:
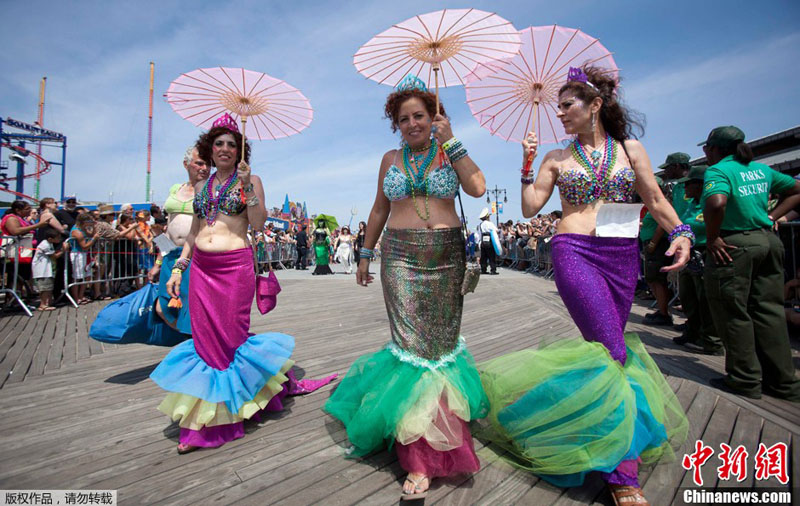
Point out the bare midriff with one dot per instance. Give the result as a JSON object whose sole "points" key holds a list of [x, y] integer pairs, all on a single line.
{"points": [[442, 214]]}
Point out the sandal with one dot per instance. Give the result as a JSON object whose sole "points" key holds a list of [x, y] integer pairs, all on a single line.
{"points": [[417, 487], [184, 448], [625, 495]]}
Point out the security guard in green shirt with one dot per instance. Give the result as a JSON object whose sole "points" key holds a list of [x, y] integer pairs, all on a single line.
{"points": [[655, 246], [700, 334], [744, 267], [676, 166]]}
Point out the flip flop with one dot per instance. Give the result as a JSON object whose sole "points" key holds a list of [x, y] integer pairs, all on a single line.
{"points": [[416, 495]]}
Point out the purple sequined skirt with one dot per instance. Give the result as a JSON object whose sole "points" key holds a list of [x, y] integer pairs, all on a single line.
{"points": [[596, 278]]}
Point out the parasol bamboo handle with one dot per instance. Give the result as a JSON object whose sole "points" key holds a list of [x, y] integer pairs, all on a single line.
{"points": [[436, 80], [244, 138], [529, 161]]}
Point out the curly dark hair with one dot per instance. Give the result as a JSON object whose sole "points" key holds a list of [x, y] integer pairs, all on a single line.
{"points": [[398, 98], [206, 141], [620, 122]]}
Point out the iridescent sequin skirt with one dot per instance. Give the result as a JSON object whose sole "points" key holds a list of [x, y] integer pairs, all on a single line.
{"points": [[421, 274]]}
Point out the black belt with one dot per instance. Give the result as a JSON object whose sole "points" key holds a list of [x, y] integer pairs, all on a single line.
{"points": [[726, 233]]}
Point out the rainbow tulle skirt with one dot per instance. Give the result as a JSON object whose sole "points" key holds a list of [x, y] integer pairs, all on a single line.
{"points": [[568, 408], [393, 395]]}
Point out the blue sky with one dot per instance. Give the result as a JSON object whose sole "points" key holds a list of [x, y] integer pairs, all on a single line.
{"points": [[688, 66]]}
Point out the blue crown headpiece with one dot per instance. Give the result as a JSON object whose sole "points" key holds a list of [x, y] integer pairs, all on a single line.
{"points": [[411, 82]]}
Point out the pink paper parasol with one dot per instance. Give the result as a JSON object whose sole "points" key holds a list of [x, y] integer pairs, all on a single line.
{"points": [[445, 45], [268, 108], [524, 89]]}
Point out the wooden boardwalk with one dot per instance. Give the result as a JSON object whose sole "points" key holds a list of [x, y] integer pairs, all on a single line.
{"points": [[80, 415]]}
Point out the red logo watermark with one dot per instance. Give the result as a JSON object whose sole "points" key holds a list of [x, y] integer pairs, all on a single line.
{"points": [[769, 462]]}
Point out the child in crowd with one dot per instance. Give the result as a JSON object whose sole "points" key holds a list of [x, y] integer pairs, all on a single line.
{"points": [[44, 267], [82, 238]]}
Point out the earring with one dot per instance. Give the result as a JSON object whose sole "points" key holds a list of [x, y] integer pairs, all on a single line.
{"points": [[594, 123]]}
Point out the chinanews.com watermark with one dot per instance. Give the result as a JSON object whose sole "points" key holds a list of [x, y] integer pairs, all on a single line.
{"points": [[768, 463], [728, 496]]}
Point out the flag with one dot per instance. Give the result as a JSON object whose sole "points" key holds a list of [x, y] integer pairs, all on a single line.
{"points": [[494, 208]]}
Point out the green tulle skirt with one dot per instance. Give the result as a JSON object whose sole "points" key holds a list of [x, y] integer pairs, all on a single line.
{"points": [[568, 408], [393, 395]]}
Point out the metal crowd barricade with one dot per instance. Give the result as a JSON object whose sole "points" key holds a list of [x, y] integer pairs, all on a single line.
{"points": [[107, 264], [544, 255], [282, 254], [9, 251]]}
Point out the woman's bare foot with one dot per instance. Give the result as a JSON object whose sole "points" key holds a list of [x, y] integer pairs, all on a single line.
{"points": [[184, 448]]}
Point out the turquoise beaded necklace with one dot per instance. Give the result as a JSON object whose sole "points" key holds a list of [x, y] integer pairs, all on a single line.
{"points": [[418, 179]]}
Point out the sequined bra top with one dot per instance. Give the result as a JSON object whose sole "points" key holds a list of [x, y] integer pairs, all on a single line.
{"points": [[576, 187], [230, 203], [442, 183]]}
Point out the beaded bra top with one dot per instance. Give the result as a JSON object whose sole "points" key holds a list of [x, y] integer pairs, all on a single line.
{"points": [[230, 203], [442, 183], [576, 186]]}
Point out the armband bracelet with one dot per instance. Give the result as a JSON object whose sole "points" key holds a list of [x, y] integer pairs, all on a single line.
{"points": [[682, 230], [181, 264], [177, 271], [454, 150], [159, 261]]}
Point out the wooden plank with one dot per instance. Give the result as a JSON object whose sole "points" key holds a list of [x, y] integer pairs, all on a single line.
{"points": [[15, 352], [59, 338], [48, 333], [666, 476], [718, 431], [746, 432], [770, 435], [81, 332], [70, 355]]}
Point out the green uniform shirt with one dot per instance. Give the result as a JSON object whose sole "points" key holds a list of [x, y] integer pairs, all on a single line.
{"points": [[679, 200], [693, 216], [649, 227], [747, 188]]}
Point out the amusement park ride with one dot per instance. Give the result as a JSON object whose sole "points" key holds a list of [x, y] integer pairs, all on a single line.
{"points": [[20, 154]]}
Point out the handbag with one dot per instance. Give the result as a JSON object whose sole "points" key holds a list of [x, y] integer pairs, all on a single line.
{"points": [[472, 269], [267, 288]]}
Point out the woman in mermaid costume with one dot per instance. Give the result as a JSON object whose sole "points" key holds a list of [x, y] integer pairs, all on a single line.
{"points": [[224, 375], [175, 312], [600, 403], [419, 392]]}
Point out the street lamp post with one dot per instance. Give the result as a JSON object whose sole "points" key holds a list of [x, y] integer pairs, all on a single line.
{"points": [[496, 192]]}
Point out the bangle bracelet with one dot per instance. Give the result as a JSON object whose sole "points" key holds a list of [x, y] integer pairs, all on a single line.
{"points": [[252, 201], [682, 230], [366, 253], [181, 264], [526, 180], [177, 271], [159, 261], [248, 188]]}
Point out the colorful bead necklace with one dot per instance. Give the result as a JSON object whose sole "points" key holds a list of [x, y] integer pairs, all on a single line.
{"points": [[419, 179], [210, 203], [599, 169]]}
